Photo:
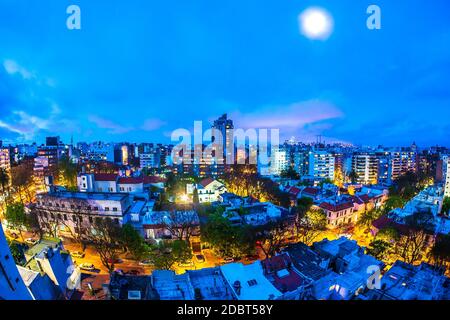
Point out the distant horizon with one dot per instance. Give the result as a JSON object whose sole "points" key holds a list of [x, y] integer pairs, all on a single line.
{"points": [[137, 71]]}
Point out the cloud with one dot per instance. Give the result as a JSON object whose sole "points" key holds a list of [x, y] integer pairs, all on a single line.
{"points": [[12, 68], [153, 124], [108, 124], [293, 116]]}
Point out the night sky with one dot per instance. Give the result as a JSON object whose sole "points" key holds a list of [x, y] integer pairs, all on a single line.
{"points": [[139, 69]]}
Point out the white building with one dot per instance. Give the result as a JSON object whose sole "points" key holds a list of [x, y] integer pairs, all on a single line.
{"points": [[112, 183], [68, 212], [208, 190], [12, 286], [5, 162], [278, 162], [321, 165], [248, 282], [365, 165], [447, 179]]}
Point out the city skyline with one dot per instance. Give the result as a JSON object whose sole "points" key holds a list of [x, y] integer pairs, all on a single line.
{"points": [[365, 87]]}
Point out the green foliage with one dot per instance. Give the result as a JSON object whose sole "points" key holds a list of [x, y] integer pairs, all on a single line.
{"points": [[290, 173], [388, 234], [379, 249], [393, 202], [67, 172], [16, 216], [440, 252], [195, 198], [166, 253], [225, 239], [353, 176], [366, 219], [446, 206], [133, 241]]}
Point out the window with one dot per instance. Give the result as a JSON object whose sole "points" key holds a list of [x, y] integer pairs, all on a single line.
{"points": [[65, 217], [106, 208], [91, 220], [114, 209], [95, 208], [252, 282], [74, 218]]}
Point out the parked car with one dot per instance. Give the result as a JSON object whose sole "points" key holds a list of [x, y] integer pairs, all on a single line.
{"points": [[31, 241], [13, 235], [77, 254], [200, 258], [228, 259], [115, 261], [186, 264], [145, 263], [87, 266], [134, 272]]}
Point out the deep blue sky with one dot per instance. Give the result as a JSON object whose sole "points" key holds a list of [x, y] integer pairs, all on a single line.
{"points": [[139, 69]]}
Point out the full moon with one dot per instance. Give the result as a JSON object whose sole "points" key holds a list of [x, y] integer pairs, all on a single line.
{"points": [[316, 23]]}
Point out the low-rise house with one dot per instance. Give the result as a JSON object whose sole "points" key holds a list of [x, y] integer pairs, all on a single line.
{"points": [[255, 214], [407, 282], [131, 287], [171, 286], [230, 199], [171, 225], [72, 213], [208, 190], [248, 282], [113, 183], [310, 265], [279, 270], [48, 257], [209, 284], [338, 213]]}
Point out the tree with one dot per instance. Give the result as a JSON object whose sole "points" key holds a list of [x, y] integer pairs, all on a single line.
{"points": [[414, 241], [353, 176], [440, 252], [225, 239], [195, 198], [366, 219], [289, 173], [165, 254], [379, 249], [388, 234], [309, 225], [271, 237], [22, 181], [393, 202], [105, 236], [16, 217], [67, 173], [446, 206], [181, 224], [4, 179], [133, 242]]}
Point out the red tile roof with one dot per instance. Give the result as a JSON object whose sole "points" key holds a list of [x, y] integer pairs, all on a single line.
{"points": [[294, 191], [337, 207], [105, 177], [311, 191], [206, 182], [153, 179], [130, 180], [287, 283], [365, 198]]}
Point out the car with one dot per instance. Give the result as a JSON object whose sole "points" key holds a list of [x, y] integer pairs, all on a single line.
{"points": [[134, 272], [145, 263], [87, 267], [77, 254], [186, 264], [12, 234], [115, 261], [31, 241], [200, 258], [228, 259], [119, 271]]}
